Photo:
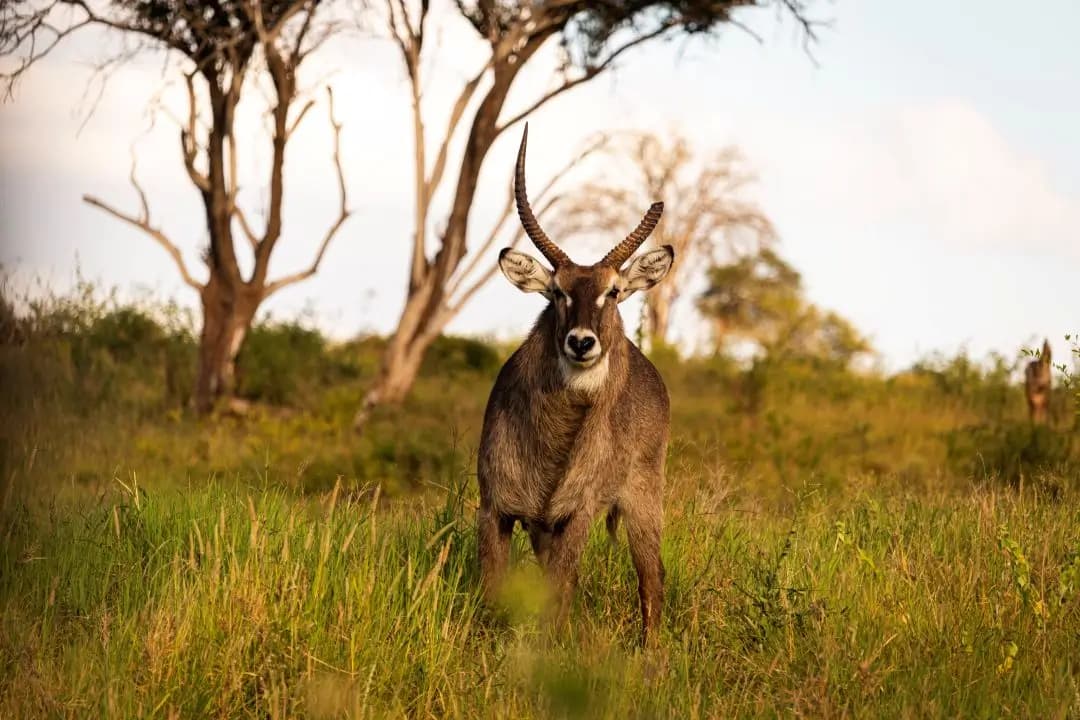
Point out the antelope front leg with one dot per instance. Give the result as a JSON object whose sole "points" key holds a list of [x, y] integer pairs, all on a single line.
{"points": [[643, 524], [564, 559], [493, 545]]}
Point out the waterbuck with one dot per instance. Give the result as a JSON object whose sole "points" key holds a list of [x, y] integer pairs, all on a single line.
{"points": [[577, 422], [1037, 384]]}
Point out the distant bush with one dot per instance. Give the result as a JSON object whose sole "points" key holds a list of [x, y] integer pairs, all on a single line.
{"points": [[451, 355], [1011, 451], [986, 386], [12, 330], [125, 333], [117, 375], [280, 363]]}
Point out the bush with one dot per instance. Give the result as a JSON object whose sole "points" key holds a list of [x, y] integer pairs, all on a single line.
{"points": [[450, 355], [1011, 451], [126, 333], [281, 363]]}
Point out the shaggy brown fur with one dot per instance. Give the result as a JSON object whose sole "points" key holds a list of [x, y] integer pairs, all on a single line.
{"points": [[563, 439], [1037, 385]]}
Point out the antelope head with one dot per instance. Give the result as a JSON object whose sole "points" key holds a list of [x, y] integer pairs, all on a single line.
{"points": [[585, 297]]}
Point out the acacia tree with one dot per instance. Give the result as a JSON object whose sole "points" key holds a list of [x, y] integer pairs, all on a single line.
{"points": [[759, 298], [591, 37], [706, 216], [225, 48]]}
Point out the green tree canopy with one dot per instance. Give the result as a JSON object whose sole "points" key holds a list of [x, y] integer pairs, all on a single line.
{"points": [[759, 298]]}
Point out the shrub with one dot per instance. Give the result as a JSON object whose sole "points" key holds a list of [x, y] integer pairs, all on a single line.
{"points": [[281, 363], [1011, 451], [450, 355], [126, 333]]}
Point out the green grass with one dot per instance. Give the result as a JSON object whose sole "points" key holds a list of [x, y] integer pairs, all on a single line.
{"points": [[224, 601]]}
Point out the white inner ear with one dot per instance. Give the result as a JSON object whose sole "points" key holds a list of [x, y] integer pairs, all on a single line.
{"points": [[525, 272], [645, 271]]}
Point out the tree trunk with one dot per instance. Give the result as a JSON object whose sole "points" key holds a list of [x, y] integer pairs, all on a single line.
{"points": [[657, 317], [400, 367], [424, 314], [227, 316]]}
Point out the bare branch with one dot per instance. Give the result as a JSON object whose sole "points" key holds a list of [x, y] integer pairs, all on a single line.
{"points": [[546, 204], [342, 216], [296, 123], [797, 8], [245, 226], [297, 52], [404, 38], [232, 182], [22, 28], [456, 114], [189, 137], [410, 40], [590, 72], [153, 232], [268, 35], [143, 203]]}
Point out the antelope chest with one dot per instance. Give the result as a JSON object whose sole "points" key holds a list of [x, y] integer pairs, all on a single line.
{"points": [[528, 462]]}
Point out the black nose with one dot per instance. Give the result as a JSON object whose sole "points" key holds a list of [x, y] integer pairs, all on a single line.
{"points": [[580, 345]]}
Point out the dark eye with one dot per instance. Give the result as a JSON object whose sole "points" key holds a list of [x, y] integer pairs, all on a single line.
{"points": [[614, 293]]}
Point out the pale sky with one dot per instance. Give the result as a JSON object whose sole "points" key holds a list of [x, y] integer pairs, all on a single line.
{"points": [[924, 173]]}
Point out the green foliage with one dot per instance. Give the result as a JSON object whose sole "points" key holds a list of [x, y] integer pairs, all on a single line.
{"points": [[282, 363], [96, 368], [759, 298], [1013, 451], [454, 355], [125, 333], [1071, 375], [755, 296]]}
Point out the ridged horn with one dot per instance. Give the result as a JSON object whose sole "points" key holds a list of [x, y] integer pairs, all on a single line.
{"points": [[622, 252], [532, 228]]}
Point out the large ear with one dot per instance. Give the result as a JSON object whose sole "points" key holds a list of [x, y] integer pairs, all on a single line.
{"points": [[525, 272], [646, 270]]}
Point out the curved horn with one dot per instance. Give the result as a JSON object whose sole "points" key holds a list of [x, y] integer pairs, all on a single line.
{"points": [[532, 228], [621, 252]]}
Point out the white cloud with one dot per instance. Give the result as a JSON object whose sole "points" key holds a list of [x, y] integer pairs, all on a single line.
{"points": [[940, 166]]}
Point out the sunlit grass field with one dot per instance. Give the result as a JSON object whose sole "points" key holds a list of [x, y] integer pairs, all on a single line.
{"points": [[836, 545], [246, 601]]}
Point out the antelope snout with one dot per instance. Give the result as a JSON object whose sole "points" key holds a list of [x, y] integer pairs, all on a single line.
{"points": [[581, 345]]}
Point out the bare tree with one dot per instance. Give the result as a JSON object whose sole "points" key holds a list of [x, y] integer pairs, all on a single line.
{"points": [[592, 36], [707, 218], [224, 48]]}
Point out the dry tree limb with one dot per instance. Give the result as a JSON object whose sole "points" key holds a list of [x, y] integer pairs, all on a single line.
{"points": [[142, 222], [343, 212]]}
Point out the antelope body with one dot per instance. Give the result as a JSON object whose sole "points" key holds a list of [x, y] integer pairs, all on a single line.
{"points": [[577, 421], [1037, 384]]}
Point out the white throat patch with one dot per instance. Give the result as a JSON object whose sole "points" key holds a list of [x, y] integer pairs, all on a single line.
{"points": [[587, 380]]}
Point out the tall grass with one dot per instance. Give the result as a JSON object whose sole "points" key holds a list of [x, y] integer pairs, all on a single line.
{"points": [[218, 601]]}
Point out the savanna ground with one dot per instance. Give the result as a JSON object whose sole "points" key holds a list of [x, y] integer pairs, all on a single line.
{"points": [[837, 545]]}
